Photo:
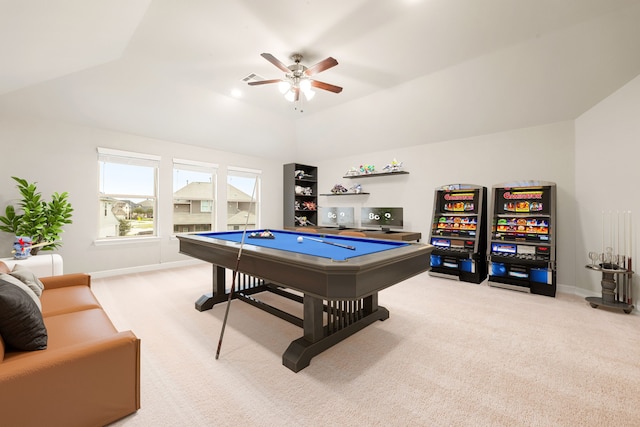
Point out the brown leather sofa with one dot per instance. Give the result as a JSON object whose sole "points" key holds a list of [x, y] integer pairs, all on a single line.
{"points": [[89, 373]]}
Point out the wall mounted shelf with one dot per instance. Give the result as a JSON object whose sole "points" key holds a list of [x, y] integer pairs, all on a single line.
{"points": [[345, 194], [370, 175]]}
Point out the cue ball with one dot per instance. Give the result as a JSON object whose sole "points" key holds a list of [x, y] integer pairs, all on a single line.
{"points": [[300, 239]]}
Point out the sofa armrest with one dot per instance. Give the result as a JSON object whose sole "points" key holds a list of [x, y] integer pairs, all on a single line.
{"points": [[93, 383], [75, 279]]}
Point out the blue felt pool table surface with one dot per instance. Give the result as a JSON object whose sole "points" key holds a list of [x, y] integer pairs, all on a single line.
{"points": [[288, 241]]}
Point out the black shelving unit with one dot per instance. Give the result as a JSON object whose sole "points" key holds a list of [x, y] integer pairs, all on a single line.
{"points": [[300, 184]]}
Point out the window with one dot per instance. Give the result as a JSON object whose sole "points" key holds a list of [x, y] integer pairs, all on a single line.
{"points": [[243, 198], [194, 190], [128, 194], [206, 206]]}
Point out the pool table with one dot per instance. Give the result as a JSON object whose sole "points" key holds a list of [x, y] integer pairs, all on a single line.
{"points": [[337, 279]]}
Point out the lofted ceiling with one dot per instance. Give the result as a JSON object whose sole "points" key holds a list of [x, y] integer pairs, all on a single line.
{"points": [[166, 69]]}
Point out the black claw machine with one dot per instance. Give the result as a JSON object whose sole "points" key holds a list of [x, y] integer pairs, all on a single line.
{"points": [[522, 255], [459, 233]]}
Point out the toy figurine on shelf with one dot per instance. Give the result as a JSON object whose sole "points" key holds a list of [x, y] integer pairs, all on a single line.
{"points": [[357, 188], [367, 169], [353, 171], [297, 205], [302, 221], [394, 166], [303, 191], [309, 206], [300, 174], [338, 188]]}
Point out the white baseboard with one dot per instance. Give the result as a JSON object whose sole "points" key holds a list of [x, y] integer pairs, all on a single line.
{"points": [[565, 289], [574, 290], [584, 293], [144, 268]]}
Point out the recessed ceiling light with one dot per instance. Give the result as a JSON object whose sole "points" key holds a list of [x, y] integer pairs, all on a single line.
{"points": [[236, 93]]}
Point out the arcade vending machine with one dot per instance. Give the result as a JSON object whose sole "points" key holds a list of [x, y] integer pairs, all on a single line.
{"points": [[459, 233], [522, 253]]}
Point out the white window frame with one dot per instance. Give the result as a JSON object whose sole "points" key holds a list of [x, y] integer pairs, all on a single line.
{"points": [[248, 173], [109, 155], [204, 167]]}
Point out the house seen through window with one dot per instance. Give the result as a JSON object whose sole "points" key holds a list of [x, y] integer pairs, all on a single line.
{"points": [[243, 198], [194, 190], [127, 194]]}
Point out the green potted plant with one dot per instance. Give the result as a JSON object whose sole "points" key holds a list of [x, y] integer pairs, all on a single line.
{"points": [[40, 220]]}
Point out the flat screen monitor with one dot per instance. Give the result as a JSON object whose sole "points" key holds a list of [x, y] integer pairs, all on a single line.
{"points": [[341, 217], [381, 217], [327, 217], [346, 217]]}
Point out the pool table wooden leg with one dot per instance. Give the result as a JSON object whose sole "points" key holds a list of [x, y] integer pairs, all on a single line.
{"points": [[312, 320], [317, 338], [218, 294]]}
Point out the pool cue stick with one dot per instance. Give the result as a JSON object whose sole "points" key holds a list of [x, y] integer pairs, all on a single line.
{"points": [[629, 263], [353, 248], [235, 271], [627, 278]]}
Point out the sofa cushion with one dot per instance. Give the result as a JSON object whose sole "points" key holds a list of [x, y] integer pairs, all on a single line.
{"points": [[21, 323], [67, 300], [27, 277], [17, 282], [78, 327]]}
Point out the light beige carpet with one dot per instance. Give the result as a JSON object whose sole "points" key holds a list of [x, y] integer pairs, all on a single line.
{"points": [[451, 354]]}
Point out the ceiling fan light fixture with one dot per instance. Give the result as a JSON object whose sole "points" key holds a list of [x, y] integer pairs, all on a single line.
{"points": [[290, 96], [309, 94], [305, 85], [284, 87]]}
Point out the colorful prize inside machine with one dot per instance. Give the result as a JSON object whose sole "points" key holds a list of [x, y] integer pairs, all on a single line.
{"points": [[459, 233], [522, 255]]}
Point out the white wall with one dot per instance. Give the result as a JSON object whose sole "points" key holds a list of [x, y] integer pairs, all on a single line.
{"points": [[61, 157], [607, 175], [541, 153], [593, 161]]}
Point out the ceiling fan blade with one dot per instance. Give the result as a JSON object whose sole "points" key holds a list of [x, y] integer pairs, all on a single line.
{"points": [[326, 86], [275, 62], [321, 66], [264, 82]]}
